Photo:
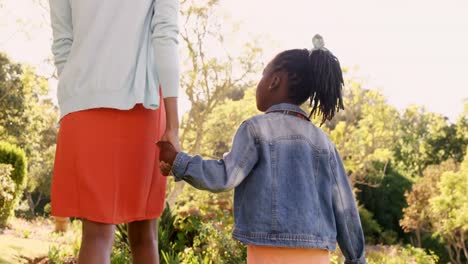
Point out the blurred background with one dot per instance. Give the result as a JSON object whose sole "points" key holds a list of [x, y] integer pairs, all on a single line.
{"points": [[403, 136]]}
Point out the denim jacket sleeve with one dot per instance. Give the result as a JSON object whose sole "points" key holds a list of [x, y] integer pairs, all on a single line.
{"points": [[220, 175], [350, 236]]}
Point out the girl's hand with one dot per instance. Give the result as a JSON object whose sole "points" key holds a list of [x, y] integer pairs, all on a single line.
{"points": [[165, 168], [167, 155]]}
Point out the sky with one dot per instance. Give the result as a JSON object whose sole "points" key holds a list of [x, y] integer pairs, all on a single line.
{"points": [[413, 51]]}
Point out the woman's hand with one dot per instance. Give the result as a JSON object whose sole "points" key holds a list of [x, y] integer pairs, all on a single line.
{"points": [[172, 136], [167, 155], [169, 146]]}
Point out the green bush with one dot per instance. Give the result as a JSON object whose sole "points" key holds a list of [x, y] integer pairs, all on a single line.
{"points": [[193, 237], [120, 254], [372, 230], [386, 203], [7, 193], [11, 154], [396, 254], [401, 255]]}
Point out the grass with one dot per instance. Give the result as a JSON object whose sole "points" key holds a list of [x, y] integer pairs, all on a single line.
{"points": [[24, 241], [13, 248]]}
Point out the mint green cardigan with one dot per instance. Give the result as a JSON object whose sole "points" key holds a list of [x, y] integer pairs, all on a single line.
{"points": [[114, 53]]}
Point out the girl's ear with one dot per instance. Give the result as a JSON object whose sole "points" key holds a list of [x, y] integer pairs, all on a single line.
{"points": [[275, 82]]}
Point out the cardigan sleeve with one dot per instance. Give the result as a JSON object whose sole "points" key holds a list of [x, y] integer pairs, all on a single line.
{"points": [[62, 31], [165, 31]]}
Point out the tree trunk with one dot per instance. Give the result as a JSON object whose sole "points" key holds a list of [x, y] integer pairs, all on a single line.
{"points": [[458, 255], [465, 251], [450, 251], [418, 238], [32, 205], [198, 139], [172, 197]]}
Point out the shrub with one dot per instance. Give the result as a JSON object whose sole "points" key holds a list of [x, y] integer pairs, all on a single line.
{"points": [[11, 154], [195, 237], [386, 203], [396, 254], [7, 193]]}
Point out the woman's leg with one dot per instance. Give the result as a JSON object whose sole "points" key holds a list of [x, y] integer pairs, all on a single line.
{"points": [[143, 236], [96, 243]]}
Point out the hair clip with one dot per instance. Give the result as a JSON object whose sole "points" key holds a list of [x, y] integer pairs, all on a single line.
{"points": [[319, 43]]}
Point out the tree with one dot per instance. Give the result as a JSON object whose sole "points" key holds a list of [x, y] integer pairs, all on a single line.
{"points": [[422, 140], [450, 207], [12, 99], [364, 133], [28, 119], [223, 122], [418, 217], [386, 202], [213, 73], [212, 76]]}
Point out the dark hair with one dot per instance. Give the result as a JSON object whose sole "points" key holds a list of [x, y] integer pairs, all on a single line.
{"points": [[313, 75]]}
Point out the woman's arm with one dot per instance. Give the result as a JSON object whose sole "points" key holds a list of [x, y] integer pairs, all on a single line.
{"points": [[62, 30], [172, 122], [165, 31]]}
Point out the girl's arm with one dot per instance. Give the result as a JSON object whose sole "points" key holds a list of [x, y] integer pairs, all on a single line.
{"points": [[348, 224], [62, 31], [216, 175]]}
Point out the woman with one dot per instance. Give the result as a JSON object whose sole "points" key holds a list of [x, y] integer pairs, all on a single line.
{"points": [[114, 58]]}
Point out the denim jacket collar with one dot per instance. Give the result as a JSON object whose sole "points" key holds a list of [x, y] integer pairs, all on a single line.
{"points": [[287, 107]]}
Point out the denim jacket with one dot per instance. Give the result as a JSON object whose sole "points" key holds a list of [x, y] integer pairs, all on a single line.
{"points": [[291, 189]]}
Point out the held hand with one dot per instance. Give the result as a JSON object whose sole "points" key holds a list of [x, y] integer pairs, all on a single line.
{"points": [[167, 155], [172, 136], [165, 168]]}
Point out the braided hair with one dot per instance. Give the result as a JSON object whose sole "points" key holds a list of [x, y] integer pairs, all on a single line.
{"points": [[315, 75]]}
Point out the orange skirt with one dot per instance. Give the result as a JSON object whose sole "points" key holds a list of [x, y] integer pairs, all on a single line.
{"points": [[106, 165], [276, 255]]}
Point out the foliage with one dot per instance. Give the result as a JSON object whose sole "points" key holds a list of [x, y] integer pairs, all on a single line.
{"points": [[417, 216], [364, 133], [11, 154], [198, 236], [28, 119], [401, 255], [66, 253], [386, 202], [120, 254], [450, 205], [12, 100], [437, 206], [221, 125], [396, 254], [211, 76], [425, 139], [7, 193], [372, 230]]}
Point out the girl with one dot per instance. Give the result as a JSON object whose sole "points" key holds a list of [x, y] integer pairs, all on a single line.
{"points": [[112, 56], [292, 199]]}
